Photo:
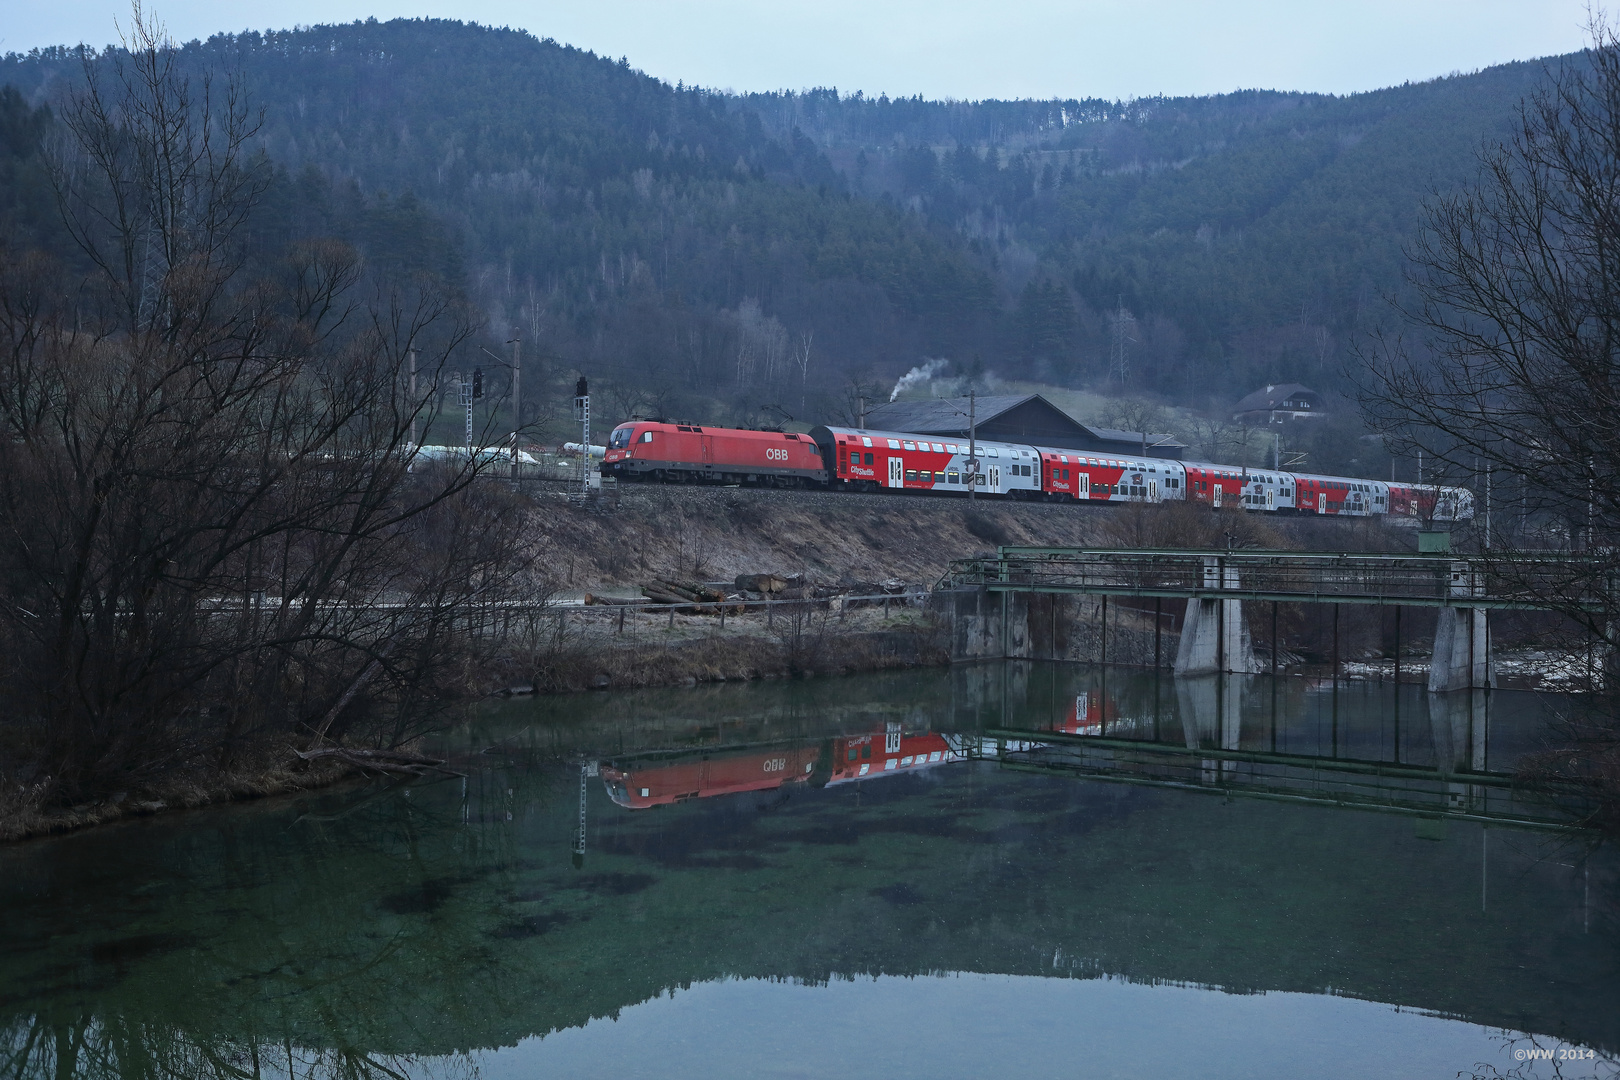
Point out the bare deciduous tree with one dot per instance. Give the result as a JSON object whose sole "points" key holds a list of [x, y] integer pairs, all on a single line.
{"points": [[1515, 374], [212, 539]]}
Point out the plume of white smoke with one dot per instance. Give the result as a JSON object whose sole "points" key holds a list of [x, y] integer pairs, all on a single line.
{"points": [[918, 375]]}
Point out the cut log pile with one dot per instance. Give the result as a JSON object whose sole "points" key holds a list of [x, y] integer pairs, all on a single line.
{"points": [[667, 591], [712, 597]]}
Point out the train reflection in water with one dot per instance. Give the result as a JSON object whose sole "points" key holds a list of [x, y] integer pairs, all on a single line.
{"points": [[1372, 746], [643, 782]]}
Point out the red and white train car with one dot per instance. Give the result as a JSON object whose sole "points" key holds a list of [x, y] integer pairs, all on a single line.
{"points": [[1340, 495], [896, 461], [867, 757], [1089, 477]]}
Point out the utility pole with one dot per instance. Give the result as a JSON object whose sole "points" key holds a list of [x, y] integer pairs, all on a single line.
{"points": [[517, 398], [467, 402], [973, 444], [416, 406], [1123, 321]]}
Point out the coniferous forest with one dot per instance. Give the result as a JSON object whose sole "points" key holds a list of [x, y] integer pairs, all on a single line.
{"points": [[762, 256]]}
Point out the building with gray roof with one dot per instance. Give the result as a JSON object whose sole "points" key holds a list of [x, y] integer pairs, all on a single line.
{"points": [[1017, 418]]}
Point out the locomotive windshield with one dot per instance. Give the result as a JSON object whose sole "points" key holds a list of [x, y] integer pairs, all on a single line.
{"points": [[621, 437]]}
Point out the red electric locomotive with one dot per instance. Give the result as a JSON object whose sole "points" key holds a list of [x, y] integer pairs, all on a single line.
{"points": [[692, 453], [660, 781]]}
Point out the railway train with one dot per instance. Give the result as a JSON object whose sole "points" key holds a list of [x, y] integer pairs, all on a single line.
{"points": [[642, 783], [857, 459]]}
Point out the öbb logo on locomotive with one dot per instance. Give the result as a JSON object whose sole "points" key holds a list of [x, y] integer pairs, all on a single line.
{"points": [[858, 459]]}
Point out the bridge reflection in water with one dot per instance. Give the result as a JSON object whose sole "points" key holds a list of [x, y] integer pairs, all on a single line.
{"points": [[1368, 745]]}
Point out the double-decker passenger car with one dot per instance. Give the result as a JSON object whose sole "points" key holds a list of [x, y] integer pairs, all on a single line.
{"points": [[1087, 477], [875, 460], [1339, 495], [867, 757]]}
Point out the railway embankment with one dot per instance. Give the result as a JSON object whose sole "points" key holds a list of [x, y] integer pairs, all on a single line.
{"points": [[642, 531], [612, 546]]}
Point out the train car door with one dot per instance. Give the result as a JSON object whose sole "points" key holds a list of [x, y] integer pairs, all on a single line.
{"points": [[1153, 491], [995, 479], [1271, 497], [1082, 489], [897, 472], [1216, 498]]}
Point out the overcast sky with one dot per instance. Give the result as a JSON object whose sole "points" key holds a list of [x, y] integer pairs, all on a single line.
{"points": [[941, 48]]}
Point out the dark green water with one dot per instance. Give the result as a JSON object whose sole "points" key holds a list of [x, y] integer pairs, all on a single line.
{"points": [[1085, 876]]}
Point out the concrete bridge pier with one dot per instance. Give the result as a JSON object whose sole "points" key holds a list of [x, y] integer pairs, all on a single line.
{"points": [[1461, 638], [1461, 651], [1215, 635]]}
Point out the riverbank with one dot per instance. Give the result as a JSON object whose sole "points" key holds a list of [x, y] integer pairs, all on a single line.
{"points": [[639, 651], [271, 770], [629, 537]]}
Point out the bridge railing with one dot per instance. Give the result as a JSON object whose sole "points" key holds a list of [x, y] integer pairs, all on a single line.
{"points": [[1517, 582]]}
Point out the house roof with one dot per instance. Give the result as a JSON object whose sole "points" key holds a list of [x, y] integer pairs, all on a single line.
{"points": [[1028, 418], [1268, 397], [946, 416]]}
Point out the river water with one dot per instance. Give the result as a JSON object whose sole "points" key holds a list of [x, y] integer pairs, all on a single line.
{"points": [[1064, 872]]}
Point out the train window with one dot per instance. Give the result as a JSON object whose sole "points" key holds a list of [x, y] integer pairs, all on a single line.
{"points": [[869, 459], [953, 477], [993, 452], [646, 436], [926, 476], [909, 445], [866, 750], [939, 449], [865, 441], [620, 439], [894, 444], [911, 474], [1065, 474], [853, 752]]}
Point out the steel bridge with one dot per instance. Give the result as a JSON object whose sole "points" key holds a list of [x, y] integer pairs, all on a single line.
{"points": [[1310, 577], [1214, 585]]}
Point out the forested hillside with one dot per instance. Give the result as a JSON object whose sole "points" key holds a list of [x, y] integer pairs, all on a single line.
{"points": [[740, 257], [1250, 235]]}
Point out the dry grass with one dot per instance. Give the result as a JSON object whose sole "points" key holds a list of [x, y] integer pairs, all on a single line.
{"points": [[272, 770]]}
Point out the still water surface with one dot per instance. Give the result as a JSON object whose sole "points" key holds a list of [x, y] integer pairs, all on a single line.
{"points": [[1064, 872]]}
